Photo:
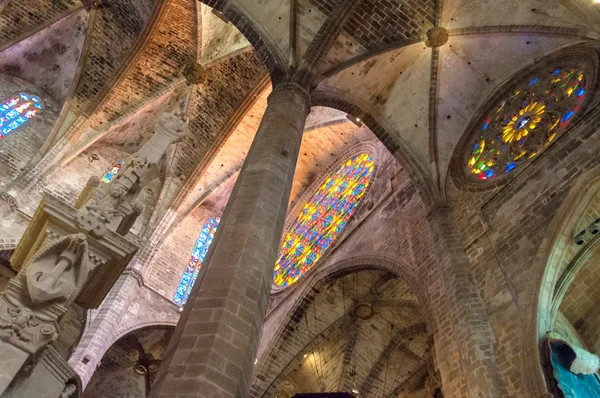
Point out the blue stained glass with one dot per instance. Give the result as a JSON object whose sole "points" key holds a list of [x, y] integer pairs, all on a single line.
{"points": [[190, 274], [567, 116], [534, 81], [17, 111]]}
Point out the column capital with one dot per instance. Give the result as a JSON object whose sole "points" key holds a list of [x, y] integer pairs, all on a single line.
{"points": [[293, 87]]}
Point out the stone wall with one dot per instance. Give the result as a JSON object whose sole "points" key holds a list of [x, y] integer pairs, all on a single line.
{"points": [[503, 229]]}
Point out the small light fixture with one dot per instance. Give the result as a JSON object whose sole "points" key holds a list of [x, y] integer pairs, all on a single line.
{"points": [[355, 392], [256, 361], [354, 119], [305, 355], [180, 309], [140, 369]]}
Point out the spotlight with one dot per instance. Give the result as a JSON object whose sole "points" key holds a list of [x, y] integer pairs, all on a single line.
{"points": [[354, 119]]}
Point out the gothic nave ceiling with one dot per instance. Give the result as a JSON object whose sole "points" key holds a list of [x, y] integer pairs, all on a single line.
{"points": [[120, 55], [424, 96], [112, 59], [363, 331]]}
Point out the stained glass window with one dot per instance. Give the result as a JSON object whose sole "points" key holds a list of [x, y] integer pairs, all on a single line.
{"points": [[193, 268], [18, 110], [521, 126], [108, 177], [322, 219]]}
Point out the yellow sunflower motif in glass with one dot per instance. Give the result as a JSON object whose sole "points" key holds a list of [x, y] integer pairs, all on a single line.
{"points": [[527, 121], [322, 219]]}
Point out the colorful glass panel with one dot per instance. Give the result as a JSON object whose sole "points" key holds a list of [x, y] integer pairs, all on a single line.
{"points": [[17, 111], [198, 254], [108, 177], [322, 219], [521, 126]]}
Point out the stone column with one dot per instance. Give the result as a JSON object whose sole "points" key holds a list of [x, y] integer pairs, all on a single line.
{"points": [[464, 342], [212, 351]]}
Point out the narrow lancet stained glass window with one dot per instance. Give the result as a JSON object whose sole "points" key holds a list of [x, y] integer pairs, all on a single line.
{"points": [[198, 254], [526, 121], [108, 177], [322, 219], [17, 111]]}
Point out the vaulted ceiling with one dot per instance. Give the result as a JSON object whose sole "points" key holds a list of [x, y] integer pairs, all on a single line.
{"points": [[113, 65], [362, 331], [106, 59]]}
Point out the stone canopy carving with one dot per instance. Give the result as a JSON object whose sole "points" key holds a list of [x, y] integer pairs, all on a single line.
{"points": [[75, 254], [115, 205]]}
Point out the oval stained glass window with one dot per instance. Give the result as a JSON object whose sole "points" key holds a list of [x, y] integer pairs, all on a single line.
{"points": [[322, 219], [526, 121]]}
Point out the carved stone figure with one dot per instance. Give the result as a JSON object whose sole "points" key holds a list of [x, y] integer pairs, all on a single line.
{"points": [[58, 271], [116, 205], [26, 328]]}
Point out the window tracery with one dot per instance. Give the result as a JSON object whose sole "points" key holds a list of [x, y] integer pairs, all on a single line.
{"points": [[190, 274], [18, 110], [322, 219], [528, 120]]}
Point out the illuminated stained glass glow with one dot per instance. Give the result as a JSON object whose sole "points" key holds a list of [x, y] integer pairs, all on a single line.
{"points": [[190, 274], [18, 110], [521, 126], [108, 177], [322, 219]]}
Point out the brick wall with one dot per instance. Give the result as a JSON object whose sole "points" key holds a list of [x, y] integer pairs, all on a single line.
{"points": [[166, 268]]}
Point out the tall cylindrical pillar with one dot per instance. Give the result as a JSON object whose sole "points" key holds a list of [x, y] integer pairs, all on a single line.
{"points": [[212, 351]]}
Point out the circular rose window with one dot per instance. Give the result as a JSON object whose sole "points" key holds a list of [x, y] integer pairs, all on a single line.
{"points": [[526, 120]]}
